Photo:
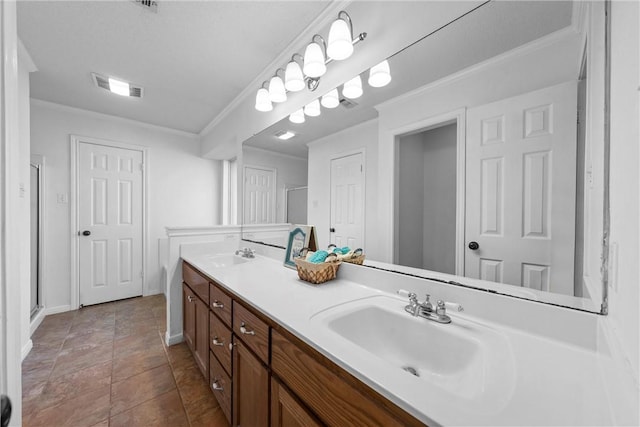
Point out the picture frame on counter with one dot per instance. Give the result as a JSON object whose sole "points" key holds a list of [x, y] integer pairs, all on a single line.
{"points": [[300, 237]]}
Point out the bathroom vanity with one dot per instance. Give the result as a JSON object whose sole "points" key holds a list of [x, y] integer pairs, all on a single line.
{"points": [[285, 352]]}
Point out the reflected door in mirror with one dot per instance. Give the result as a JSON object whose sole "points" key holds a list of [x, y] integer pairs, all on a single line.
{"points": [[347, 202], [259, 195]]}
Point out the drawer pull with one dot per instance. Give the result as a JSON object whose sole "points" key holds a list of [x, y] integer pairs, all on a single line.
{"points": [[190, 298], [218, 343], [217, 304], [246, 331], [216, 387]]}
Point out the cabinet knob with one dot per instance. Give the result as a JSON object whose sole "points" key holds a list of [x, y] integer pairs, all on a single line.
{"points": [[218, 343], [217, 304], [216, 387], [246, 331], [190, 298], [231, 344]]}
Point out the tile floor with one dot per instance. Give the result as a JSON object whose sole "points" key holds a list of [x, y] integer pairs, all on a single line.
{"points": [[107, 365]]}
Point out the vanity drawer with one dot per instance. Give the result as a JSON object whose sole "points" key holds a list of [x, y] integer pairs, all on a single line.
{"points": [[220, 384], [219, 341], [220, 303], [252, 331], [326, 393], [196, 281]]}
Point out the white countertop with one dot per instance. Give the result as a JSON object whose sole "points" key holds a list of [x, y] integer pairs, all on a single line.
{"points": [[551, 383]]}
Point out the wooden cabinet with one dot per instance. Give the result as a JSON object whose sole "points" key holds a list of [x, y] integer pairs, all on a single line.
{"points": [[188, 316], [221, 386], [287, 410], [250, 388], [252, 330], [201, 352], [219, 340], [220, 304]]}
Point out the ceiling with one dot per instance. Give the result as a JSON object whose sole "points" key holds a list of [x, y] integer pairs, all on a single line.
{"points": [[191, 57], [490, 30]]}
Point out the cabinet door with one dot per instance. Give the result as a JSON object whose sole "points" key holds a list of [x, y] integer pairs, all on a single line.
{"points": [[188, 316], [201, 352], [250, 388], [286, 411]]}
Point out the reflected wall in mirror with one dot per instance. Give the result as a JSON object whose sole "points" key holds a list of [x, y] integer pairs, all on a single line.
{"points": [[482, 162]]}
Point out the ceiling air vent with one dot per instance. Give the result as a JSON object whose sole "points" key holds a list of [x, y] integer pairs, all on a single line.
{"points": [[103, 82], [150, 5], [346, 103]]}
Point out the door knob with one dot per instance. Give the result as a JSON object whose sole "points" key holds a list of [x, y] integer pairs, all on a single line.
{"points": [[473, 246], [332, 230], [86, 233]]}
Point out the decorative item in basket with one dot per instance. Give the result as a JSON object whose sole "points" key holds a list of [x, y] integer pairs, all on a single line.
{"points": [[353, 256], [317, 272]]}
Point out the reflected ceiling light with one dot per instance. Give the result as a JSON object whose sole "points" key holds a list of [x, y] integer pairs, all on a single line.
{"points": [[312, 109], [285, 135], [293, 78], [314, 57], [380, 75], [353, 88], [263, 103], [276, 88], [340, 37], [297, 116], [331, 99], [119, 87]]}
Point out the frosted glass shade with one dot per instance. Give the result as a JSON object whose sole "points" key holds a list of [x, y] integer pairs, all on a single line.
{"points": [[312, 109], [314, 65], [276, 90], [340, 40], [293, 78], [297, 116], [353, 88], [331, 99], [379, 75], [263, 103]]}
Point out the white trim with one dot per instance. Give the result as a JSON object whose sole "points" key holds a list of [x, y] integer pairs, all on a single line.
{"points": [[173, 339], [257, 228], [75, 141], [26, 349], [36, 321], [24, 58], [272, 152], [510, 55], [460, 117], [200, 231], [38, 161], [348, 153], [96, 115], [274, 209], [57, 309], [296, 46]]}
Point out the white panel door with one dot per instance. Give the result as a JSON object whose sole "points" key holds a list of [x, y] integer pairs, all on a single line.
{"points": [[110, 220], [259, 195], [521, 190], [347, 201]]}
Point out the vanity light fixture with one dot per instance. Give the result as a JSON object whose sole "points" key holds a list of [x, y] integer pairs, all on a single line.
{"points": [[312, 109], [293, 78], [340, 37], [353, 88], [297, 116], [380, 75], [277, 92], [285, 135], [331, 99], [314, 62], [263, 102]]}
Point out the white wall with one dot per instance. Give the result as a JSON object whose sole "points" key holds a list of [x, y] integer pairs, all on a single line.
{"points": [[361, 137], [183, 188], [624, 274], [290, 172]]}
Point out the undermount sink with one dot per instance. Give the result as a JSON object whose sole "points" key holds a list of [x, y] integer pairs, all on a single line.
{"points": [[226, 260], [464, 358]]}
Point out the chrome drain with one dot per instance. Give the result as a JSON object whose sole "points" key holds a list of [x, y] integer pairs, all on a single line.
{"points": [[411, 370]]}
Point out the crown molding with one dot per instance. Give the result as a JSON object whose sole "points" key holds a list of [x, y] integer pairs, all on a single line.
{"points": [[273, 152], [94, 114], [321, 21]]}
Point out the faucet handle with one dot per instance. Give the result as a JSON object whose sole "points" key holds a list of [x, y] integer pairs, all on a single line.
{"points": [[453, 306], [426, 305], [442, 307]]}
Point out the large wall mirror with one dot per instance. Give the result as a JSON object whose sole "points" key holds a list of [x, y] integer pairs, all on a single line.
{"points": [[482, 163]]}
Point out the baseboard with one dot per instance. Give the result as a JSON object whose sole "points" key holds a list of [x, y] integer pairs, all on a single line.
{"points": [[26, 349], [173, 339], [56, 310], [36, 321]]}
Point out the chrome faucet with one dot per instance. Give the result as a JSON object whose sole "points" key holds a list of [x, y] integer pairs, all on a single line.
{"points": [[425, 309], [246, 253]]}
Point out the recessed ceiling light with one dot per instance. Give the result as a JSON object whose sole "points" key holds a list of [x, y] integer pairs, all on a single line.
{"points": [[284, 135], [118, 87]]}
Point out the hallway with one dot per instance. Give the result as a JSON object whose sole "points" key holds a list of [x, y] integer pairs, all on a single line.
{"points": [[107, 365]]}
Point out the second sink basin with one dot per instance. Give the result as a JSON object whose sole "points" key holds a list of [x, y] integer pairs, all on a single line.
{"points": [[464, 358], [226, 260]]}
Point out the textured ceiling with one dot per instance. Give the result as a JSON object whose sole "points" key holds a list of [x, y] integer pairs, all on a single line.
{"points": [[192, 58]]}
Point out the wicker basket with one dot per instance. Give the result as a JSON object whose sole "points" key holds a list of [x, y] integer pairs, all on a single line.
{"points": [[316, 273], [356, 258]]}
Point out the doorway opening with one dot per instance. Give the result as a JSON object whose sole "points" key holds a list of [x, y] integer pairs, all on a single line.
{"points": [[36, 178]]}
